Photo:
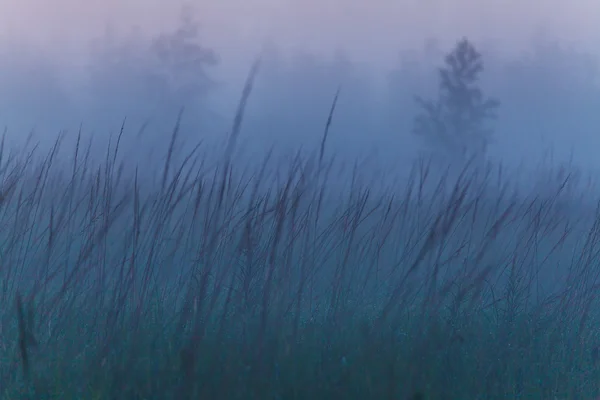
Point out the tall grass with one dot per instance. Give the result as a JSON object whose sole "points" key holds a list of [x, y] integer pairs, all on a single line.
{"points": [[226, 283]]}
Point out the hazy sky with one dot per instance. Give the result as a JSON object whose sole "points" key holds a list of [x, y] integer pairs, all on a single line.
{"points": [[372, 30]]}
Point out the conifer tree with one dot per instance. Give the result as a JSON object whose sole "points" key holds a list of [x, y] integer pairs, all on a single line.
{"points": [[456, 123]]}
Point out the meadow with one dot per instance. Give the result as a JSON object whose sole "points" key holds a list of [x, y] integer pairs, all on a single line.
{"points": [[214, 280]]}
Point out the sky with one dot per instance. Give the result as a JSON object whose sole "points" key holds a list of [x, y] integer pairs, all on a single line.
{"points": [[372, 33], [369, 30]]}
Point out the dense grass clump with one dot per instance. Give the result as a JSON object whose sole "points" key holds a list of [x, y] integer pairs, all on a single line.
{"points": [[215, 282]]}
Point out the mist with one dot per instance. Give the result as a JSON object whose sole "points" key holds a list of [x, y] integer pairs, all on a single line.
{"points": [[253, 199], [71, 66]]}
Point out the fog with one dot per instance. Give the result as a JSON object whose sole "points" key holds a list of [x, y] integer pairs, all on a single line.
{"points": [[67, 64]]}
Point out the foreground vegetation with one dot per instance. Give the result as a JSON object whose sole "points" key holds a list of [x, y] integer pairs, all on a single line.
{"points": [[213, 282]]}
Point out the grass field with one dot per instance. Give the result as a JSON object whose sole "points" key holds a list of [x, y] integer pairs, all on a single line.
{"points": [[221, 282]]}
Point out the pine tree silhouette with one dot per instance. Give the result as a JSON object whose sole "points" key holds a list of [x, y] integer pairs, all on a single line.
{"points": [[457, 121]]}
